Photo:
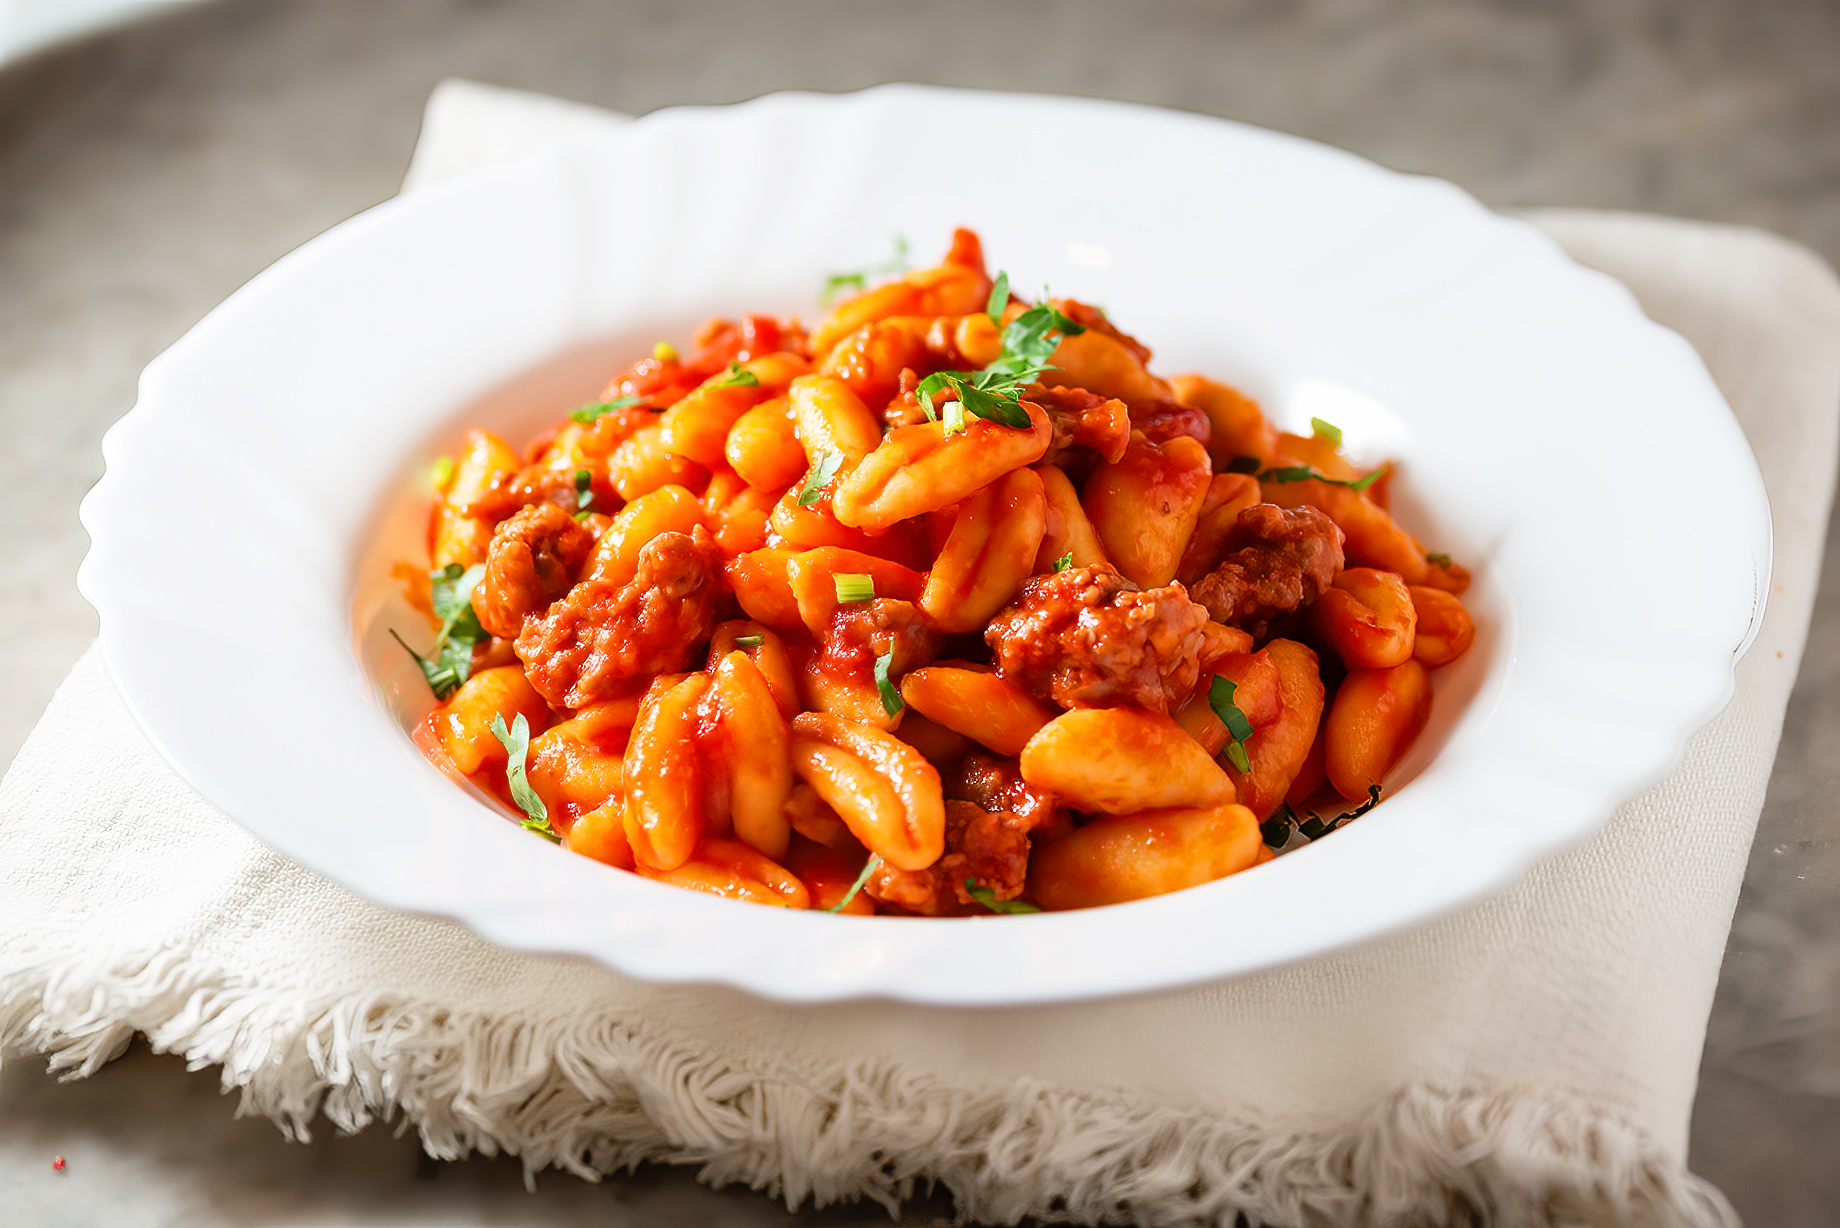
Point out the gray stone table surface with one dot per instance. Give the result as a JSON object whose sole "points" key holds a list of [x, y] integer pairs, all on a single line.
{"points": [[145, 174]]}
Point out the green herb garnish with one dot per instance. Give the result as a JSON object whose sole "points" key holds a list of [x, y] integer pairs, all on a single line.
{"points": [[836, 282], [1326, 430], [1220, 698], [1243, 464], [1276, 831], [450, 661], [891, 698], [737, 377], [875, 859], [854, 586], [587, 414], [1064, 562], [999, 298], [441, 473], [995, 393], [1439, 559], [987, 896], [750, 641], [584, 489], [829, 461], [516, 742], [1306, 473]]}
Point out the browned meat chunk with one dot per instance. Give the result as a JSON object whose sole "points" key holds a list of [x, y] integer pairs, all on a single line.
{"points": [[990, 849], [589, 644], [864, 630], [1162, 421], [532, 561], [1279, 558], [993, 783], [1083, 419], [1087, 638]]}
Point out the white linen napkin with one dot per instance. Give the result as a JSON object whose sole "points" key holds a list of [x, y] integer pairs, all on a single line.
{"points": [[1531, 1059]]}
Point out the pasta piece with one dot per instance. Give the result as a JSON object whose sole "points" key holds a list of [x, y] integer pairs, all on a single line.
{"points": [[1135, 856], [919, 469], [882, 788], [1119, 760], [1368, 618], [1144, 507], [990, 551], [1377, 715]]}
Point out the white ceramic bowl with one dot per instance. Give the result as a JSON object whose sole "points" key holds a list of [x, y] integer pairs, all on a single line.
{"points": [[1576, 456]]}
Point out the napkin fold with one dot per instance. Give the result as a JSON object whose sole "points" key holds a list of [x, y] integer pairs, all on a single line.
{"points": [[1530, 1059]]}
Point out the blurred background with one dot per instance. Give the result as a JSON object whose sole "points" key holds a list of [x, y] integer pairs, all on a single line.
{"points": [[147, 170]]}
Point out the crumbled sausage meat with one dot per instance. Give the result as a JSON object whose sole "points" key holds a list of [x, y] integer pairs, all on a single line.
{"points": [[861, 631], [1083, 419], [532, 561], [990, 849], [1087, 638], [600, 635], [994, 783], [1279, 558]]}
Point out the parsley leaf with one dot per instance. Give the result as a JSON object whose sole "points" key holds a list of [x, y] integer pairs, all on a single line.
{"points": [[1220, 698], [1326, 430], [587, 414], [1306, 473], [999, 298], [988, 898], [450, 593], [750, 641], [995, 392], [836, 282], [736, 377], [875, 859], [1276, 831], [584, 489], [829, 461], [1439, 559], [892, 702], [1064, 562], [516, 742]]}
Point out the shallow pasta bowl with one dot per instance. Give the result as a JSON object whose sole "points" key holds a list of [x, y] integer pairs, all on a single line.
{"points": [[1546, 431]]}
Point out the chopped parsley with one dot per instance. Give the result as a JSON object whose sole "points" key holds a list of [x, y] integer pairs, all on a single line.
{"points": [[1276, 831], [587, 415], [1307, 473], [999, 298], [584, 489], [736, 377], [995, 393], [853, 586], [1440, 559], [836, 283], [516, 742], [750, 641], [988, 898], [1220, 699], [891, 698], [822, 471], [875, 859], [1064, 562], [450, 661], [1326, 430]]}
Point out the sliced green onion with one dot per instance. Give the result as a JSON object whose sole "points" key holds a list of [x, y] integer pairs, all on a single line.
{"points": [[1326, 430], [875, 859], [892, 703], [854, 586]]}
